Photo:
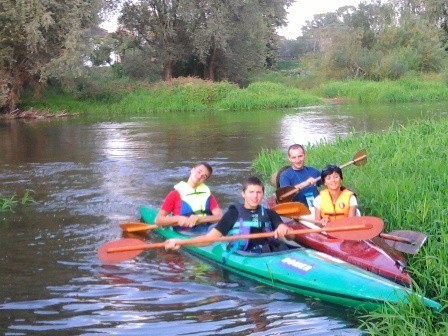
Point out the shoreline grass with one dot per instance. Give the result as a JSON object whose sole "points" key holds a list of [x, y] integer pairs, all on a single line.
{"points": [[181, 95], [118, 97], [404, 183]]}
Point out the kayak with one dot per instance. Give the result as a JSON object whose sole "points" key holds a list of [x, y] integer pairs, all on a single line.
{"points": [[366, 254], [362, 253], [302, 271]]}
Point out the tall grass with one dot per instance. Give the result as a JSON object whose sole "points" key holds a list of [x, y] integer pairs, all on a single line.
{"points": [[181, 95], [400, 91], [404, 182]]}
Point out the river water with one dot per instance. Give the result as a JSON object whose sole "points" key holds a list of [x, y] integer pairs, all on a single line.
{"points": [[88, 176]]}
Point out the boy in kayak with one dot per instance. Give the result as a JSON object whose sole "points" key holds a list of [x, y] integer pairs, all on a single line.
{"points": [[250, 217], [300, 176], [336, 201], [190, 205]]}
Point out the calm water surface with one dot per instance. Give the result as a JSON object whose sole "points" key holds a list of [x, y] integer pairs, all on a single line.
{"points": [[89, 176]]}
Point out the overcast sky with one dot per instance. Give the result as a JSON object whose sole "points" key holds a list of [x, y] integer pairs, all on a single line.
{"points": [[303, 10]]}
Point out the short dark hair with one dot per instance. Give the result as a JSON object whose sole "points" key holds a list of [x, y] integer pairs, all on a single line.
{"points": [[206, 165], [253, 180], [330, 169], [296, 146]]}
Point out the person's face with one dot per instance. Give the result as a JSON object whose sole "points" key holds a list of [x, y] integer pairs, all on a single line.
{"points": [[200, 174], [253, 195], [333, 181], [297, 158]]}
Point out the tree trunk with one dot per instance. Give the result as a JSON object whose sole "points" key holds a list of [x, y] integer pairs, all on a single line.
{"points": [[168, 70], [209, 72]]}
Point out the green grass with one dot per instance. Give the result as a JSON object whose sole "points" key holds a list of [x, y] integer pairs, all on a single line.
{"points": [[102, 94], [9, 203], [181, 95], [404, 183], [405, 90]]}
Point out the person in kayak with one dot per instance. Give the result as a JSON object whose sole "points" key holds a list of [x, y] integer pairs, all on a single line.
{"points": [[249, 217], [336, 201], [300, 176], [191, 205]]}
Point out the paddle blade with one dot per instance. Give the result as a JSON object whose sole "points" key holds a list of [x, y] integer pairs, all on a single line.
{"points": [[136, 227], [115, 257], [415, 241], [374, 226], [291, 209], [360, 158], [285, 194]]}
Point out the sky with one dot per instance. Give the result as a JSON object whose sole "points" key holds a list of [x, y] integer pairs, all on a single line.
{"points": [[303, 10], [299, 12]]}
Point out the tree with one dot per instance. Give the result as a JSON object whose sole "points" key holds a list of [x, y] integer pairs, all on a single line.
{"points": [[156, 24], [42, 39], [222, 38]]}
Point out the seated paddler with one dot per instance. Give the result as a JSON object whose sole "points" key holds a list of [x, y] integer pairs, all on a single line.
{"points": [[245, 218], [335, 201], [191, 207]]}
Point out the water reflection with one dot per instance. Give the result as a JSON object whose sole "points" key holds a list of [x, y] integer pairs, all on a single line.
{"points": [[90, 176]]}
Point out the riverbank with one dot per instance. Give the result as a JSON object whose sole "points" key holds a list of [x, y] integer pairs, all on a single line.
{"points": [[404, 182], [118, 97]]}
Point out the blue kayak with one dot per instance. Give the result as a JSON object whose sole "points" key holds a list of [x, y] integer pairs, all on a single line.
{"points": [[303, 271]]}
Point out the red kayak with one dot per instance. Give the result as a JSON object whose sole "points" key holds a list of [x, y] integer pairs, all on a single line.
{"points": [[366, 254]]}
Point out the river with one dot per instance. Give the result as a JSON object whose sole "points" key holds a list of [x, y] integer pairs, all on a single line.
{"points": [[89, 175]]}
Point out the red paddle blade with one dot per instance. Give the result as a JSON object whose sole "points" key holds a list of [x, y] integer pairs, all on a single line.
{"points": [[115, 257], [374, 226]]}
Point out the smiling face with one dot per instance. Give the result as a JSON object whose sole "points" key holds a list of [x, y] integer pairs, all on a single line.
{"points": [[297, 158], [253, 195], [333, 181]]}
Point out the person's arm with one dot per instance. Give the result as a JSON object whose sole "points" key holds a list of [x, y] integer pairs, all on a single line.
{"points": [[280, 228], [222, 228], [317, 213], [167, 208], [353, 206], [213, 218], [162, 219], [173, 244], [310, 181]]}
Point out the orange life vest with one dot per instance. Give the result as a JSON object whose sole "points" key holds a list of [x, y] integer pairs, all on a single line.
{"points": [[339, 209]]}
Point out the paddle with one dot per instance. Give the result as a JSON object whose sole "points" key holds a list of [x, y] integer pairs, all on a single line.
{"points": [[406, 241], [137, 227], [291, 209], [124, 249], [285, 194], [150, 216], [409, 241]]}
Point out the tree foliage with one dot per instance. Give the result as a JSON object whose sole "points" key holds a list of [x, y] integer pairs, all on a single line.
{"points": [[379, 41], [39, 39], [213, 39]]}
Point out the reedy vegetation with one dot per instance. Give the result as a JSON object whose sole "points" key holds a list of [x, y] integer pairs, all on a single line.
{"points": [[120, 97], [404, 182], [9, 203]]}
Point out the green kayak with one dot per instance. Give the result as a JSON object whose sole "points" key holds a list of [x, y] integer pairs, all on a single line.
{"points": [[303, 271]]}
